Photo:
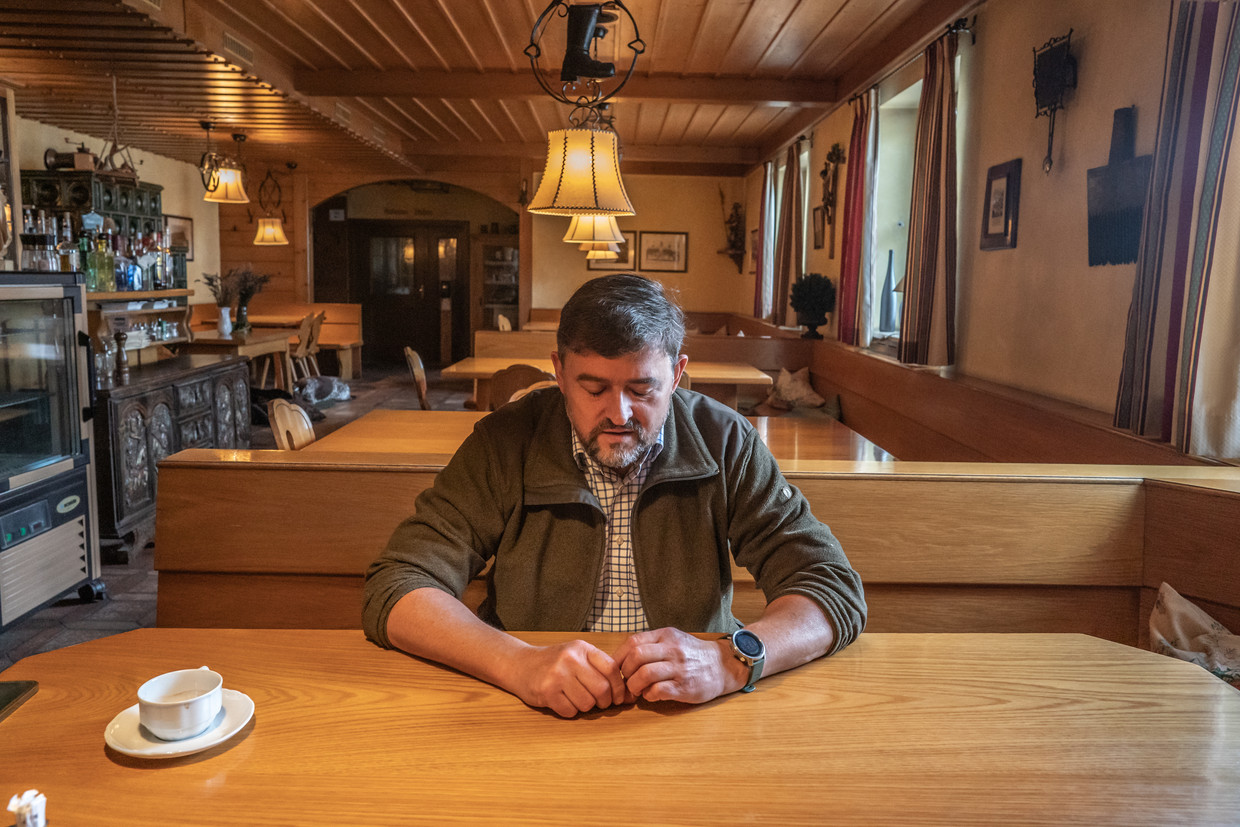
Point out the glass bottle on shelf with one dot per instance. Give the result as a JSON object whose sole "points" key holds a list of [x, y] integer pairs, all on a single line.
{"points": [[67, 249]]}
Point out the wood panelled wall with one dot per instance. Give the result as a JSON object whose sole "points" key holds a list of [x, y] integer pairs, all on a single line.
{"points": [[922, 414]]}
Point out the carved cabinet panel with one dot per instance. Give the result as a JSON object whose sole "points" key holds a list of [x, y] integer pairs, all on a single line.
{"points": [[187, 402]]}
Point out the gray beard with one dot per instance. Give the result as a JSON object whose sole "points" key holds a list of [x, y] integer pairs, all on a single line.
{"points": [[619, 458]]}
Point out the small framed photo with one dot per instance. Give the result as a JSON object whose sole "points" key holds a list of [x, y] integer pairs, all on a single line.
{"points": [[180, 234], [625, 262], [820, 226], [663, 252], [1001, 209]]}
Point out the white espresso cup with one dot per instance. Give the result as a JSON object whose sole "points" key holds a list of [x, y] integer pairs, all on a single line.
{"points": [[181, 704]]}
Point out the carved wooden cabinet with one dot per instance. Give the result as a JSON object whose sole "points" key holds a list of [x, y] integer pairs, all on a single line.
{"points": [[188, 402]]}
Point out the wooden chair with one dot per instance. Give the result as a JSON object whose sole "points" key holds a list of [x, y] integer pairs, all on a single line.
{"points": [[312, 349], [290, 425], [299, 353], [512, 379], [547, 383], [419, 376]]}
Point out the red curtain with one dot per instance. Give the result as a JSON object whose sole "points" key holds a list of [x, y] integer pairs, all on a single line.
{"points": [[853, 242]]}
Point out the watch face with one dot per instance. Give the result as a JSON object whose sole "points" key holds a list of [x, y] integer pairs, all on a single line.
{"points": [[748, 643]]}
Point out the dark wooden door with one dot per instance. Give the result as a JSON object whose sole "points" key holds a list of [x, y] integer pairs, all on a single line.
{"points": [[406, 268]]}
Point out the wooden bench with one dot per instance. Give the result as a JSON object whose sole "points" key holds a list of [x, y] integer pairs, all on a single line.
{"points": [[942, 547]]}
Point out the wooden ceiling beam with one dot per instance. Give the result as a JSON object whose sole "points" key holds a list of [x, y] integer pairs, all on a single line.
{"points": [[490, 85], [675, 154]]}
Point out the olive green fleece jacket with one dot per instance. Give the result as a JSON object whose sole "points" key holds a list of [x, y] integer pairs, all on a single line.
{"points": [[514, 492]]}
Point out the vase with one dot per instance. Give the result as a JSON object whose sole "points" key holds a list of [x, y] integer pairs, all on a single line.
{"points": [[241, 324], [224, 326], [812, 322]]}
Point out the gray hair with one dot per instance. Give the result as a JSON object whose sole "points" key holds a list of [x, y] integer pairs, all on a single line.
{"points": [[620, 314]]}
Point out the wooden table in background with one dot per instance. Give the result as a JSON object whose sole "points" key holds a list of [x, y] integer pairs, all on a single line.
{"points": [[718, 380], [440, 433], [258, 342], [913, 729]]}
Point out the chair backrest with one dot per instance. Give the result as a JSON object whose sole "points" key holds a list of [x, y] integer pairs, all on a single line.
{"points": [[419, 375], [512, 379], [290, 425], [316, 327], [304, 337], [503, 322], [520, 392]]}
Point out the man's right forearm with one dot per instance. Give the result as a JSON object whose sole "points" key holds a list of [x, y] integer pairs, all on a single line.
{"points": [[435, 625], [569, 677]]}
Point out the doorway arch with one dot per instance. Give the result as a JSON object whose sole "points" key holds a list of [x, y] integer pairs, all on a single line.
{"points": [[407, 251]]}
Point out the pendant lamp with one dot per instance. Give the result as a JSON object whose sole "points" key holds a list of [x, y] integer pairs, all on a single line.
{"points": [[591, 229], [582, 175]]}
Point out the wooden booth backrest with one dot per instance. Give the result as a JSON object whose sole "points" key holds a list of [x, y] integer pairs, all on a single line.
{"points": [[921, 414], [943, 547], [764, 353]]}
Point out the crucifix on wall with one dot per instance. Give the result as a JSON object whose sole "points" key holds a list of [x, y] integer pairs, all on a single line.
{"points": [[829, 175]]}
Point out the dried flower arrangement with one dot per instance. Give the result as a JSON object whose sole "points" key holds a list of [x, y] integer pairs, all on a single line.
{"points": [[248, 283], [223, 289]]}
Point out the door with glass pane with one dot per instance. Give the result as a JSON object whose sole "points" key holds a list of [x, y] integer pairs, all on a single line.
{"points": [[411, 269]]}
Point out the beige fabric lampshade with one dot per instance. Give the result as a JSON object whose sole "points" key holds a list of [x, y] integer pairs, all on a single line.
{"points": [[604, 254], [270, 232], [582, 175], [593, 229], [230, 189], [601, 245]]}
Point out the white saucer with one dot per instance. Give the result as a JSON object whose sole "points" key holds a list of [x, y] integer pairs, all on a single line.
{"points": [[127, 736]]}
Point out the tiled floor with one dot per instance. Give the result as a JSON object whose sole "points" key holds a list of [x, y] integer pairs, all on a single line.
{"points": [[131, 587]]}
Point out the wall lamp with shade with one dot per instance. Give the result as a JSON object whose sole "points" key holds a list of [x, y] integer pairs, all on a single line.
{"points": [[271, 227], [582, 173], [221, 175]]}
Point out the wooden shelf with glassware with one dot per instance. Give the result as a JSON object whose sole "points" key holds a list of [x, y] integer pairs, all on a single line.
{"points": [[151, 320]]}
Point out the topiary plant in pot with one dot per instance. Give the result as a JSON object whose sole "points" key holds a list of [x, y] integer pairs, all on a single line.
{"points": [[813, 297]]}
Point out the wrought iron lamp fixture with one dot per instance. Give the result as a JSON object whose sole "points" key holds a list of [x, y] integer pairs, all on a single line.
{"points": [[582, 173], [222, 175], [1054, 73], [271, 227]]}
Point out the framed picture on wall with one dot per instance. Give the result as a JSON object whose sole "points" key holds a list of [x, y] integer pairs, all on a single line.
{"points": [[181, 234], [820, 226], [663, 252], [626, 260], [1000, 209]]}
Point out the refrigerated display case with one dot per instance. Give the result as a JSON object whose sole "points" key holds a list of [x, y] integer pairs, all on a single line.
{"points": [[49, 537]]}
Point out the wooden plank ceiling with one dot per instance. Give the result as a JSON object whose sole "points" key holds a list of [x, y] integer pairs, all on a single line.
{"points": [[419, 86]]}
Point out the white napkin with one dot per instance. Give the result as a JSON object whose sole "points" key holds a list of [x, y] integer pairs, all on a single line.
{"points": [[29, 808]]}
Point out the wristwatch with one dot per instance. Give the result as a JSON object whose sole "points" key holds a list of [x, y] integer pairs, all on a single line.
{"points": [[749, 650]]}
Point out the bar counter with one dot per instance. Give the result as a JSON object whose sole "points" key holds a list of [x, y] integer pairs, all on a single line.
{"points": [[907, 729]]}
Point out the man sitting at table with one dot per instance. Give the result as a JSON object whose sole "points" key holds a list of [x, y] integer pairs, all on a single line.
{"points": [[610, 505]]}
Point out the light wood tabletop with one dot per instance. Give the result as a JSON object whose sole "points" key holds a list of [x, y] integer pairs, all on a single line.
{"points": [[440, 433], [258, 342], [897, 729], [718, 380]]}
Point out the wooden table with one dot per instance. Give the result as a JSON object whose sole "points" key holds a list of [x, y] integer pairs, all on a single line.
{"points": [[440, 433], [258, 342], [718, 380], [897, 729]]}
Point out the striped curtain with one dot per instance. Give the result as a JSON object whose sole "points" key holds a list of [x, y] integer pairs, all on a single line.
{"points": [[790, 234], [857, 245], [762, 287], [1179, 381], [928, 325]]}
